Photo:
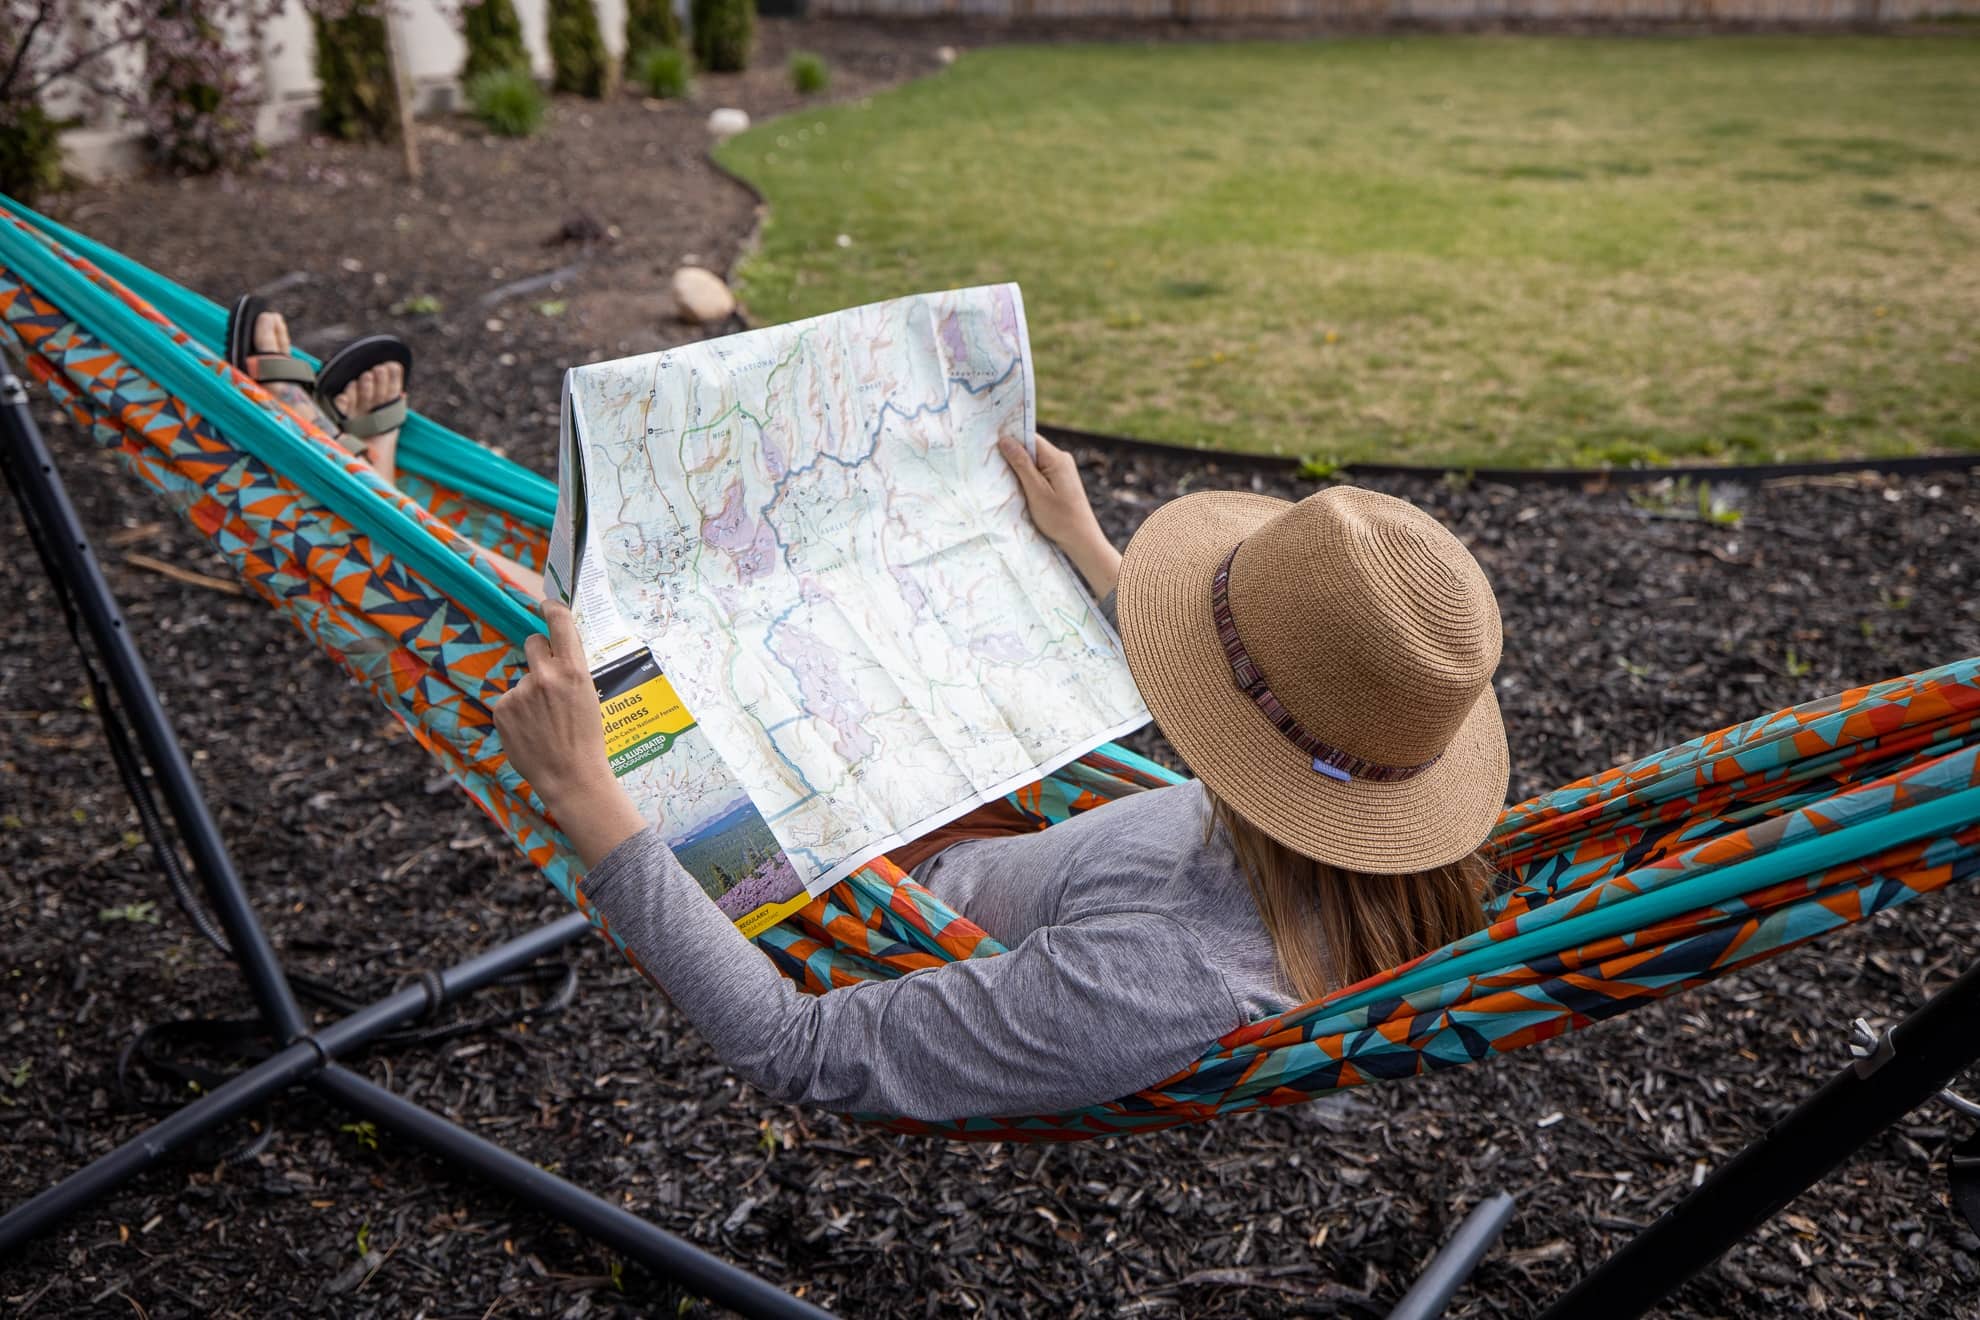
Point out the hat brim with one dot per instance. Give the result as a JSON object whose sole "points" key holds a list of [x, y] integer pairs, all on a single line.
{"points": [[1179, 664]]}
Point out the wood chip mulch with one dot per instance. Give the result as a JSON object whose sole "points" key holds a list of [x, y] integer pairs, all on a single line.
{"points": [[1629, 626]]}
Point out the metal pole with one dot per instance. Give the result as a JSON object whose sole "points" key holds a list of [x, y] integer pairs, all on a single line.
{"points": [[102, 1176], [1911, 1064], [274, 1074], [658, 1250], [58, 534], [1456, 1260]]}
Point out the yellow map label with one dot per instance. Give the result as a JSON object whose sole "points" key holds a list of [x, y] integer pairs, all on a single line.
{"points": [[755, 923], [642, 722]]}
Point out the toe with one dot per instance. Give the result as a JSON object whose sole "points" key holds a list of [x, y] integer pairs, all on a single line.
{"points": [[270, 334]]}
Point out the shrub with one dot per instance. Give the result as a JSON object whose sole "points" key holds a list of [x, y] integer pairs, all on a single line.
{"points": [[663, 71], [508, 101], [30, 151], [494, 38], [577, 48], [199, 94], [808, 72], [650, 24], [723, 33], [196, 95], [353, 72]]}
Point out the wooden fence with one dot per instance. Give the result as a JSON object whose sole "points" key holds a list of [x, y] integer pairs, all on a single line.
{"points": [[1361, 13]]}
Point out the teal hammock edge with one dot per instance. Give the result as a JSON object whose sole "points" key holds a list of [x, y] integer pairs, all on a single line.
{"points": [[207, 383], [1307, 1066], [425, 446], [1766, 746]]}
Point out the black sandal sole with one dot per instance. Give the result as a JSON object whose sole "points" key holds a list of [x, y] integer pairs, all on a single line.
{"points": [[352, 361]]}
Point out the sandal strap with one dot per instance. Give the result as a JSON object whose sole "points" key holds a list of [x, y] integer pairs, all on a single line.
{"points": [[385, 417], [280, 368]]}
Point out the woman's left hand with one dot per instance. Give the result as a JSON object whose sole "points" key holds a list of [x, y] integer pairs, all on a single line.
{"points": [[555, 738]]}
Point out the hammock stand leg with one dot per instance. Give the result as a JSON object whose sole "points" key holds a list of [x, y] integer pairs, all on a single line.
{"points": [[306, 1055], [1912, 1063]]}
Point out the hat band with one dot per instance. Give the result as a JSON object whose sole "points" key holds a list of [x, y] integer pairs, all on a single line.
{"points": [[1328, 760]]}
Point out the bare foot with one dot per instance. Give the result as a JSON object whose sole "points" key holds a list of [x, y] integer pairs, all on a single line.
{"points": [[271, 336], [374, 389]]}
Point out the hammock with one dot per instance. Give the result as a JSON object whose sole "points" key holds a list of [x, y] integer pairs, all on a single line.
{"points": [[1629, 885]]}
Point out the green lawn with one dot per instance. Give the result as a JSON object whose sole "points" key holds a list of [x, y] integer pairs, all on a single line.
{"points": [[1471, 250]]}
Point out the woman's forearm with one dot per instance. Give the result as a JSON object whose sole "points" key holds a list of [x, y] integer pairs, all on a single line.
{"points": [[1096, 559], [595, 814]]}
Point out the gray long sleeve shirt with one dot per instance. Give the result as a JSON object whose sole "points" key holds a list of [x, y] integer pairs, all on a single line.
{"points": [[1133, 945]]}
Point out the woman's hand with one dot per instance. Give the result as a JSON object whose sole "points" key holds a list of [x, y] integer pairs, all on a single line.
{"points": [[555, 738], [1058, 504]]}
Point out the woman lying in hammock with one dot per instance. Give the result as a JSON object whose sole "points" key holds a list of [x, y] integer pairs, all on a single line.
{"points": [[1325, 668], [359, 394]]}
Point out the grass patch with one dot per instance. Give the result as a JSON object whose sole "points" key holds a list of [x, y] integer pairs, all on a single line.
{"points": [[1467, 250]]}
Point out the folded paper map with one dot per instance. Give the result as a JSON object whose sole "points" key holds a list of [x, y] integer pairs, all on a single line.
{"points": [[806, 536]]}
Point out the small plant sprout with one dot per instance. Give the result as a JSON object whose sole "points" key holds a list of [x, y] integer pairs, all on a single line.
{"points": [[1634, 669], [142, 913], [1795, 665], [1714, 509], [364, 1238], [420, 304], [1321, 469], [809, 74], [364, 1132], [1681, 500], [19, 1077]]}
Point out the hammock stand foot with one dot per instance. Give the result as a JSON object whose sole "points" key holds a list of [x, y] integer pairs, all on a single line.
{"points": [[1908, 1066], [306, 1055]]}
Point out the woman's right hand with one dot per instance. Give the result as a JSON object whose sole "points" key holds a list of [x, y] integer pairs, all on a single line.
{"points": [[1058, 504]]}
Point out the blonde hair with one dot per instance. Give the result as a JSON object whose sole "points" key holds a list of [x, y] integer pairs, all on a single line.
{"points": [[1332, 927]]}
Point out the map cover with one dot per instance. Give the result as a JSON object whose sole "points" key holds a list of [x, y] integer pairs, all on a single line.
{"points": [[810, 534]]}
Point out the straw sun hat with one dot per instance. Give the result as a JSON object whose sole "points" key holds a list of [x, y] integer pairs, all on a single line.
{"points": [[1325, 668]]}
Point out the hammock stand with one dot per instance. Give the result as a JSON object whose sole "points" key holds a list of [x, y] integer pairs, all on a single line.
{"points": [[1905, 1067], [1501, 990], [310, 1057]]}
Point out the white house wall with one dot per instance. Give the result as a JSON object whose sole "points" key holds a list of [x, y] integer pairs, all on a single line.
{"points": [[429, 34]]}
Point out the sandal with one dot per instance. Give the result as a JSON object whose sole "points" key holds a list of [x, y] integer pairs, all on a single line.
{"points": [[265, 368], [345, 366]]}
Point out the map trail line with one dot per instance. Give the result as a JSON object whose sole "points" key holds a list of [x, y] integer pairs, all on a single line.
{"points": [[811, 529]]}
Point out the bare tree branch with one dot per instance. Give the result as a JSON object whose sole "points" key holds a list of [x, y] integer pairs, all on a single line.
{"points": [[41, 13], [84, 58]]}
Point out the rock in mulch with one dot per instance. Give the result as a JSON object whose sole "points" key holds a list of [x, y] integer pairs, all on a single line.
{"points": [[726, 122], [701, 297]]}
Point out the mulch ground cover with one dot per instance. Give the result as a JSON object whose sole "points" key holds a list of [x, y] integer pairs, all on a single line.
{"points": [[1629, 625]]}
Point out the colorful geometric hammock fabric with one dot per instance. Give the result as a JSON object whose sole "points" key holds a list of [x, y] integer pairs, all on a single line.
{"points": [[1624, 887]]}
